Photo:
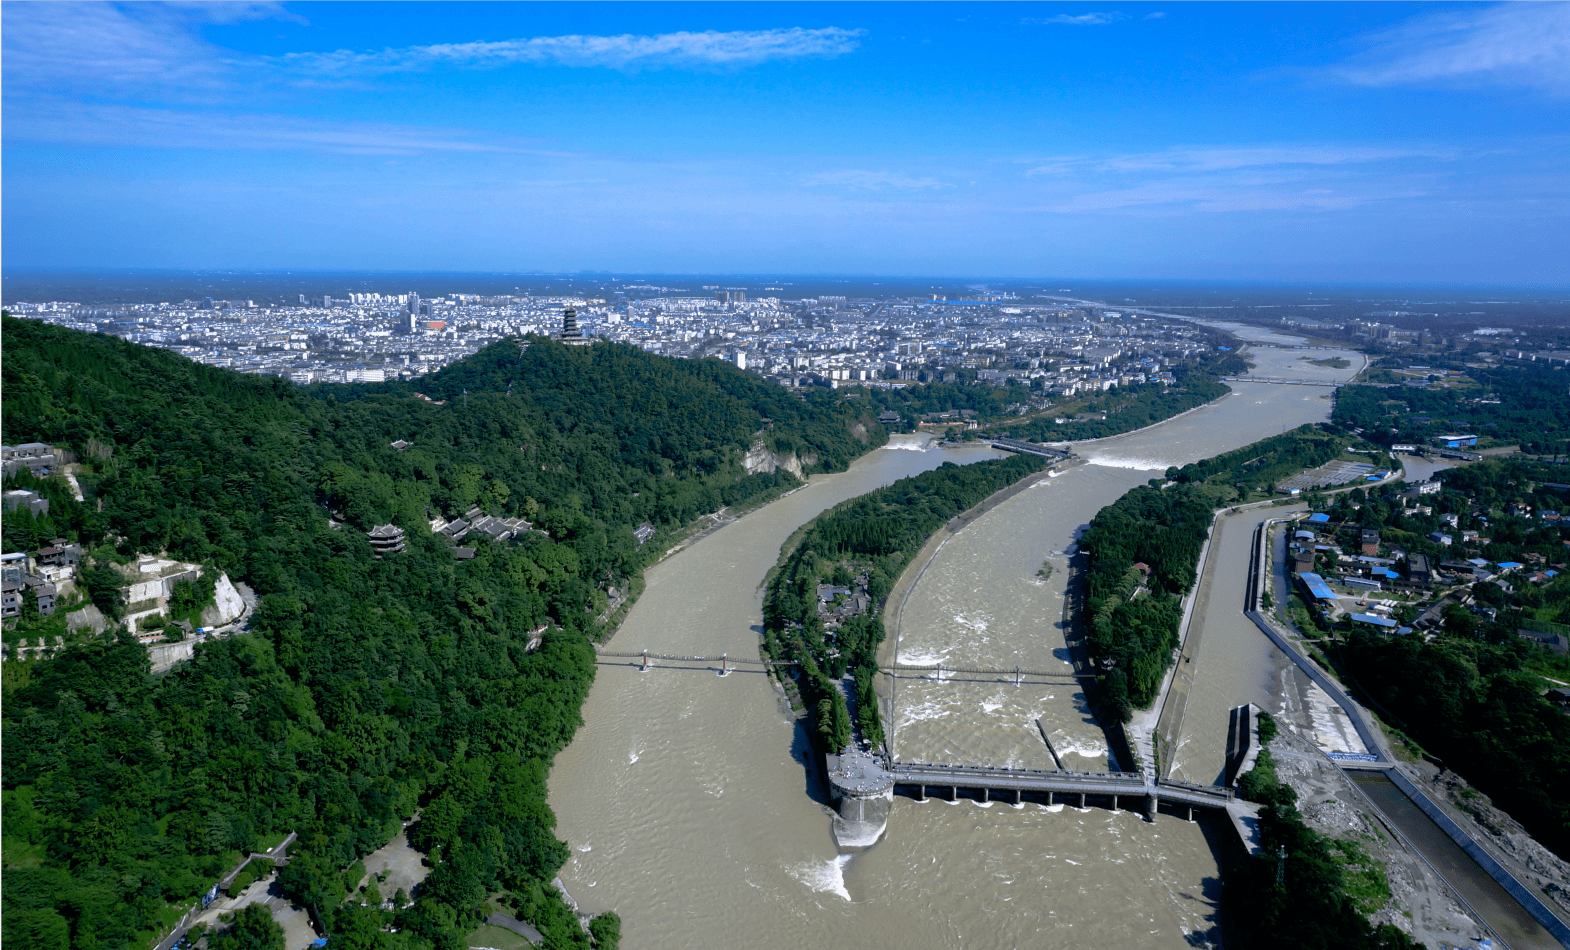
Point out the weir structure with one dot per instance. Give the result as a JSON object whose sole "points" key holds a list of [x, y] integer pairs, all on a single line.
{"points": [[1279, 381], [1029, 448], [863, 785]]}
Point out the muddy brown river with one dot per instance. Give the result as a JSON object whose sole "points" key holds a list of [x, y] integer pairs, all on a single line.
{"points": [[690, 807]]}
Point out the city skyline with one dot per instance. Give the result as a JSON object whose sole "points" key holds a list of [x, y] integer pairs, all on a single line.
{"points": [[1347, 143]]}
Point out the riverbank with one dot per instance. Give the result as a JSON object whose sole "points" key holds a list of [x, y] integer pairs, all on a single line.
{"points": [[1203, 405], [1146, 428], [692, 534], [894, 604], [874, 537]]}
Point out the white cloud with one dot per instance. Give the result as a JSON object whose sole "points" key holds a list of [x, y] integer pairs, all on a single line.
{"points": [[107, 49], [1225, 197], [1222, 179], [1525, 44], [91, 47], [1224, 159], [857, 178], [1155, 16], [625, 51], [1082, 19], [142, 75], [118, 125], [152, 52]]}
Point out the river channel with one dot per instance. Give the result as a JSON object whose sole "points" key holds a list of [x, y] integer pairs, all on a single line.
{"points": [[690, 807]]}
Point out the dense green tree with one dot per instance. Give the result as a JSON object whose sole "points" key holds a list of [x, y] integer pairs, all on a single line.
{"points": [[1529, 405], [883, 529], [606, 931], [1311, 909], [1130, 622], [366, 688], [1472, 703], [250, 928]]}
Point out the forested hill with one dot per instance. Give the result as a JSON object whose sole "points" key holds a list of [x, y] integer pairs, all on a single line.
{"points": [[653, 415], [367, 689]]}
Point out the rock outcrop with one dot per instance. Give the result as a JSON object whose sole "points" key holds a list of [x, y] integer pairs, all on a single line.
{"points": [[760, 459], [226, 606]]}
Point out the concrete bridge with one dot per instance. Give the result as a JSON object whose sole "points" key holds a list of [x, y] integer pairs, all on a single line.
{"points": [[723, 664], [1029, 448], [1282, 381]]}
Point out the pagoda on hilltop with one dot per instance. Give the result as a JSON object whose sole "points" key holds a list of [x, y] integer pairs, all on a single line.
{"points": [[570, 334]]}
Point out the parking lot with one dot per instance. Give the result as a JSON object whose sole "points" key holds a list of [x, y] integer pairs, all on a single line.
{"points": [[1329, 475]]}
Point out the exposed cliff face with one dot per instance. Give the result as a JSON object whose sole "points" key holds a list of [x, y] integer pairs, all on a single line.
{"points": [[760, 459], [227, 605]]}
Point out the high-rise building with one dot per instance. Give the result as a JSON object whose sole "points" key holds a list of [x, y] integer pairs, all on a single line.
{"points": [[414, 302]]}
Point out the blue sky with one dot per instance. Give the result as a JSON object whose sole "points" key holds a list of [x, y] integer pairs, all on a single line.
{"points": [[1355, 142]]}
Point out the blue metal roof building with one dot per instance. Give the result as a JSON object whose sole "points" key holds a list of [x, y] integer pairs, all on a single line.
{"points": [[1316, 587]]}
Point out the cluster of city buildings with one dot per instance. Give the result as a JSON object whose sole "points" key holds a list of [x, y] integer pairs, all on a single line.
{"points": [[826, 340]]}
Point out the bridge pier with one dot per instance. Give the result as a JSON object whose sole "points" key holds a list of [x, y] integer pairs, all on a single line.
{"points": [[924, 794], [644, 668], [1115, 803], [1191, 813], [724, 665], [1151, 804], [1082, 799]]}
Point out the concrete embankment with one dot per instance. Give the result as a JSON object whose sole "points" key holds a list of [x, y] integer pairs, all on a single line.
{"points": [[1520, 919], [1490, 891]]}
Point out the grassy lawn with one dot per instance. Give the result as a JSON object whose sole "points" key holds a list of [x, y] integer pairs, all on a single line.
{"points": [[498, 938], [272, 841], [1365, 880]]}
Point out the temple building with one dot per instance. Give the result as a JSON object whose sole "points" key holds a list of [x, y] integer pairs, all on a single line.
{"points": [[570, 334]]}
